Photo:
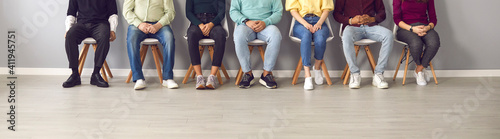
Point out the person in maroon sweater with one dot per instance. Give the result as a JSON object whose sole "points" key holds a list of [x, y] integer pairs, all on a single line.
{"points": [[416, 20], [361, 19]]}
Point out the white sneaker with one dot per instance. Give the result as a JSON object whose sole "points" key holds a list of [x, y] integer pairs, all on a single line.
{"points": [[200, 82], [427, 75], [140, 84], [170, 84], [308, 85], [420, 78], [355, 81], [210, 82], [318, 76], [379, 81]]}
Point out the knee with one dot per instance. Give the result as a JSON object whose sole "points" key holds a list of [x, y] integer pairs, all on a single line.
{"points": [[275, 34], [218, 32], [433, 44]]}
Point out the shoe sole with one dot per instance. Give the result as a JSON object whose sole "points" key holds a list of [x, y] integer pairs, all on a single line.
{"points": [[78, 83], [246, 87], [264, 84], [354, 87], [200, 87], [93, 83], [140, 88], [210, 86], [381, 87]]}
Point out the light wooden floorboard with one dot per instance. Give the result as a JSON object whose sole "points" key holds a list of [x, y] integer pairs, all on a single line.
{"points": [[46, 110]]}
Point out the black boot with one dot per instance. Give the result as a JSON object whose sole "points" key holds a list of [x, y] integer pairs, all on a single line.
{"points": [[96, 79], [73, 80]]}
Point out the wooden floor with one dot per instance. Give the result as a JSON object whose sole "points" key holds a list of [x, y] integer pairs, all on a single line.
{"points": [[456, 108]]}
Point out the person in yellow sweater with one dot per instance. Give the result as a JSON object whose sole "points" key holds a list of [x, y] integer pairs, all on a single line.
{"points": [[310, 16]]}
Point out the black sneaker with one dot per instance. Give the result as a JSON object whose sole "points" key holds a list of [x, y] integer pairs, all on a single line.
{"points": [[268, 81], [246, 81]]}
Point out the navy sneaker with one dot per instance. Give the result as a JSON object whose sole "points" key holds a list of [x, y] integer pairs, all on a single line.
{"points": [[268, 81], [246, 81]]}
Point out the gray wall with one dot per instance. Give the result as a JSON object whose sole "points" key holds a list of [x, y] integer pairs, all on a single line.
{"points": [[467, 30]]}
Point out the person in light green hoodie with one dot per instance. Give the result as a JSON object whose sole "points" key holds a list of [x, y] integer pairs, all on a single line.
{"points": [[150, 19], [256, 19]]}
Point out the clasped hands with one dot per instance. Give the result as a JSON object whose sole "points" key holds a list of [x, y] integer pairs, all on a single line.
{"points": [[421, 30], [257, 25], [206, 28], [362, 20], [150, 28]]}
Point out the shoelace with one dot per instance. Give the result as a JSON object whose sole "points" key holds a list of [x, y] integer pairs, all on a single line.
{"points": [[269, 77], [211, 79], [199, 80], [246, 77], [381, 77]]}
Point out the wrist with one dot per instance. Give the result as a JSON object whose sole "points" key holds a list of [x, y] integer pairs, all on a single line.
{"points": [[350, 21]]}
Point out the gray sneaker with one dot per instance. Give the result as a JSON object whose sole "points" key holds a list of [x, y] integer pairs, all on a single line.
{"points": [[200, 82], [210, 82]]}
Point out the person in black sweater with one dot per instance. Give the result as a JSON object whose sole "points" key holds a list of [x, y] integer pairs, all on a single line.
{"points": [[206, 17], [89, 18]]}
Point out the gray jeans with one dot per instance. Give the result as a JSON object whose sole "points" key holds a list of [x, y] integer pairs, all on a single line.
{"points": [[416, 44]]}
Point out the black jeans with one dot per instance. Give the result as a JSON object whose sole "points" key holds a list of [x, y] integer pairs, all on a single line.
{"points": [[416, 44], [218, 34], [78, 32]]}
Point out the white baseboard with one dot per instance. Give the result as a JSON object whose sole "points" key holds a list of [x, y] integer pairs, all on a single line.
{"points": [[232, 73]]}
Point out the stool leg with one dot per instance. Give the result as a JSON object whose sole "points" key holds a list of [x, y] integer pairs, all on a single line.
{"points": [[108, 71], [406, 66], [344, 72], [224, 71], [297, 72], [399, 64], [154, 50], [238, 77], [325, 72], [186, 77], [83, 56], [348, 73], [370, 58], [261, 51], [433, 73]]}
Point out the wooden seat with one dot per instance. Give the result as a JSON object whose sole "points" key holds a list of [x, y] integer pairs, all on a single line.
{"points": [[299, 64], [371, 60], [210, 43], [83, 56], [153, 43], [255, 43], [357, 45], [406, 55]]}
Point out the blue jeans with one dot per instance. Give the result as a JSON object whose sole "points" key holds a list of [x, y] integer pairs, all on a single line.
{"points": [[376, 33], [306, 38], [243, 34], [134, 39]]}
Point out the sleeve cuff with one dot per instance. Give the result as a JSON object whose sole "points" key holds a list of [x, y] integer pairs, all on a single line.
{"points": [[70, 20], [113, 22]]}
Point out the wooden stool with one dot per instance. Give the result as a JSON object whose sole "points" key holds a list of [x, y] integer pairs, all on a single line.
{"points": [[156, 55], [366, 43], [211, 52], [254, 43], [83, 55], [299, 64], [406, 53]]}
